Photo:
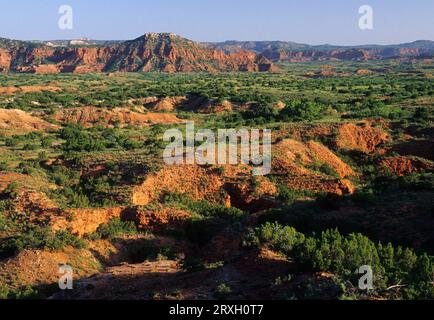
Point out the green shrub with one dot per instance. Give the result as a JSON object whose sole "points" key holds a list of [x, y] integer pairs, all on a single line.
{"points": [[193, 264], [203, 207], [30, 147], [61, 239], [343, 255], [289, 196], [302, 111], [222, 291], [4, 166], [4, 292], [422, 114], [79, 139], [36, 237], [3, 222], [19, 294], [11, 190], [115, 228], [276, 237]]}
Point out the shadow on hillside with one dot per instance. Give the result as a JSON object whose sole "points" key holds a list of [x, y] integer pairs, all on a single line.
{"points": [[402, 218], [164, 280]]}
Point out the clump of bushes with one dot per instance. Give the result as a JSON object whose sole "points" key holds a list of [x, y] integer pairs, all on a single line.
{"points": [[203, 207], [222, 291], [208, 219], [37, 237], [343, 255], [79, 139], [277, 237], [115, 228], [18, 294]]}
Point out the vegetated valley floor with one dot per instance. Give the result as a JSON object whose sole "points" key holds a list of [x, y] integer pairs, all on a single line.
{"points": [[82, 182]]}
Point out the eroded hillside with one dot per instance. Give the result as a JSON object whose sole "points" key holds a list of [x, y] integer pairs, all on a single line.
{"points": [[151, 52], [83, 182]]}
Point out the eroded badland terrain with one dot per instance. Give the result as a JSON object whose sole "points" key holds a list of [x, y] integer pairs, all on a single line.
{"points": [[83, 181]]}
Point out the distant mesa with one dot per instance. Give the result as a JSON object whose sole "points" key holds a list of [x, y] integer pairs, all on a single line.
{"points": [[157, 52], [171, 53], [281, 51]]}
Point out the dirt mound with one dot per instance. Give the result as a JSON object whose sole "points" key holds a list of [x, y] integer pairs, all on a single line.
{"points": [[23, 182], [157, 218], [38, 205], [22, 122], [312, 152], [403, 166], [85, 221], [361, 137], [232, 187], [256, 194], [191, 103], [279, 105], [306, 132], [43, 211], [363, 72], [28, 89], [168, 104], [92, 116], [324, 155], [297, 164], [199, 183], [6, 178], [327, 73], [215, 107], [34, 268]]}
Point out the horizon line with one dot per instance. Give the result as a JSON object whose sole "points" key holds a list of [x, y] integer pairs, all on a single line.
{"points": [[223, 41]]}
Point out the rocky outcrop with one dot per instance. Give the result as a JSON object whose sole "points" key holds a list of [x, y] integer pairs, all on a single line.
{"points": [[92, 116], [151, 52], [363, 137], [311, 166], [84, 221], [310, 153], [199, 183], [157, 218], [402, 166]]}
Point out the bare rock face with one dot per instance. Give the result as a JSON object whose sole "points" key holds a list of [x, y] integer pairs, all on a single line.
{"points": [[365, 137], [293, 161], [151, 52], [92, 116], [5, 60], [402, 166]]}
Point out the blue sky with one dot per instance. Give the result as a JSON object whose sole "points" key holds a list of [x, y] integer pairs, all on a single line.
{"points": [[306, 21]]}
